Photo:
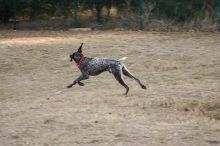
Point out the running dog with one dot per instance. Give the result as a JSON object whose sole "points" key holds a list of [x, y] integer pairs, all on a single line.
{"points": [[95, 66]]}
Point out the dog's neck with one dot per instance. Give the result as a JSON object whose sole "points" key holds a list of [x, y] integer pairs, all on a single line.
{"points": [[82, 58]]}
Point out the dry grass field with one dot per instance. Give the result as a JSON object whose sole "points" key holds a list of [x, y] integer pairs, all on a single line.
{"points": [[181, 106]]}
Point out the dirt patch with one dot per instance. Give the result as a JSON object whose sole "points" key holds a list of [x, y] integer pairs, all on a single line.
{"points": [[180, 107]]}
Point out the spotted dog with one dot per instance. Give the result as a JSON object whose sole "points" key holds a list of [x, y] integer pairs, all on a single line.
{"points": [[95, 66]]}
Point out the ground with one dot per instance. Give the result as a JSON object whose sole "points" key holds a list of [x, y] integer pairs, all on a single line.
{"points": [[181, 106]]}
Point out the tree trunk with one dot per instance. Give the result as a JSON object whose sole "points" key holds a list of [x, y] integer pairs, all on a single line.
{"points": [[98, 7], [6, 11], [35, 7], [128, 3]]}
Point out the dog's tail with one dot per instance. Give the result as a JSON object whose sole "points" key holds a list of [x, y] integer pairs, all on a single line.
{"points": [[124, 58]]}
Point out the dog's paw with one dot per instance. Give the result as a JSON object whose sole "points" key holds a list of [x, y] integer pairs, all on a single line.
{"points": [[69, 86], [143, 87], [81, 84]]}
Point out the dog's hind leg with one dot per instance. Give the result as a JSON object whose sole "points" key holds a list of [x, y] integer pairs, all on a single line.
{"points": [[128, 74], [118, 77]]}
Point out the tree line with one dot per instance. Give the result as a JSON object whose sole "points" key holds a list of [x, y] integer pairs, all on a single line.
{"points": [[178, 10]]}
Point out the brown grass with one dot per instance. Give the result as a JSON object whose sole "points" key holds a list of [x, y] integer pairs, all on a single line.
{"points": [[180, 107]]}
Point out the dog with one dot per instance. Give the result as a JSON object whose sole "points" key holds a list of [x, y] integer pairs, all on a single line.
{"points": [[95, 66]]}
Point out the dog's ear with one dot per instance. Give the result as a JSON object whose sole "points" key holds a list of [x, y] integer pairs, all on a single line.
{"points": [[80, 48]]}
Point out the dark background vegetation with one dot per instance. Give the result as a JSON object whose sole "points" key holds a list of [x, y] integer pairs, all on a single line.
{"points": [[167, 15]]}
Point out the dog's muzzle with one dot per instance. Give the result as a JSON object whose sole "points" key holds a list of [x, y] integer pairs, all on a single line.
{"points": [[71, 59]]}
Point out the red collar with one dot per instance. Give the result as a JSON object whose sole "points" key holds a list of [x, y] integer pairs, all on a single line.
{"points": [[82, 58]]}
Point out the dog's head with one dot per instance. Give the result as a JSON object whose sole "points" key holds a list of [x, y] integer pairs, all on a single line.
{"points": [[76, 56]]}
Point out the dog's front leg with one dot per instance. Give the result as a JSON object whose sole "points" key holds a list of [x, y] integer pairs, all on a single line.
{"points": [[80, 78]]}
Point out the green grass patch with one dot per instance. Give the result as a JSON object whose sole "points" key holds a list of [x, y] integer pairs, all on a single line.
{"points": [[4, 95], [5, 68], [215, 75]]}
